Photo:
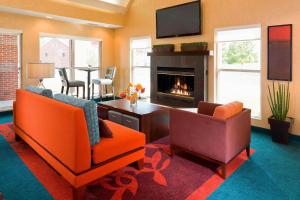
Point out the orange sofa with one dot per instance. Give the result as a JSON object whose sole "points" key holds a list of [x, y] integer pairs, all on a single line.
{"points": [[58, 133]]}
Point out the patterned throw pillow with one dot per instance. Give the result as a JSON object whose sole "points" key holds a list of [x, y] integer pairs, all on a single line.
{"points": [[104, 129], [90, 112], [40, 91]]}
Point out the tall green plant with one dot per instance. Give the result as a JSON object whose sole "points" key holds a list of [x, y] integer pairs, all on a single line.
{"points": [[279, 100]]}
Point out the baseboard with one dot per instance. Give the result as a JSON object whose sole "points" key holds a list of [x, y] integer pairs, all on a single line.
{"points": [[260, 129], [295, 137], [4, 113], [267, 131], [97, 100]]}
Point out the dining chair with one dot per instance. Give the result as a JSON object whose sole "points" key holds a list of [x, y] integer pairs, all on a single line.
{"points": [[108, 80], [69, 84]]}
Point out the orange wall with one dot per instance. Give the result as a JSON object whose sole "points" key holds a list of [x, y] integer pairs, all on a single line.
{"points": [[140, 21], [33, 26]]}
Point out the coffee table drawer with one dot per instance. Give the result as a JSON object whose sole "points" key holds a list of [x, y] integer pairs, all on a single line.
{"points": [[115, 116], [131, 122]]}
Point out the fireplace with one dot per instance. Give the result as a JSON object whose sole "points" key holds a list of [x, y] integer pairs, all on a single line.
{"points": [[178, 80]]}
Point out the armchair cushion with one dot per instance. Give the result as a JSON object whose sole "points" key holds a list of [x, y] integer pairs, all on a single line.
{"points": [[102, 81], [228, 110], [40, 91], [77, 83], [124, 140], [90, 113]]}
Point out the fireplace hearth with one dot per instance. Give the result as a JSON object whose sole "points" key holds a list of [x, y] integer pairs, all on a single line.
{"points": [[179, 79]]}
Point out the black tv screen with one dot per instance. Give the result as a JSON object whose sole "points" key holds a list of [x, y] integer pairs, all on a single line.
{"points": [[180, 20]]}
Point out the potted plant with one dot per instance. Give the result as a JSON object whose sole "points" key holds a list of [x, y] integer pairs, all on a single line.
{"points": [[194, 46], [279, 101], [163, 48]]}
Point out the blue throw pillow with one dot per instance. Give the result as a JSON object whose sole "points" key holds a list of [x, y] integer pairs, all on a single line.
{"points": [[90, 112], [40, 91]]}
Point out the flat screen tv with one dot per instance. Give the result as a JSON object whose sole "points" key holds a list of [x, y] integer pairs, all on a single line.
{"points": [[180, 20]]}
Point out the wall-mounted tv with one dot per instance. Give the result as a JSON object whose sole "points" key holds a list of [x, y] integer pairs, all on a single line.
{"points": [[180, 20]]}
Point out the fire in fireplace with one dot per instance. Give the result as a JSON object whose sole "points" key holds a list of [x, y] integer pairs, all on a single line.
{"points": [[180, 88], [181, 85]]}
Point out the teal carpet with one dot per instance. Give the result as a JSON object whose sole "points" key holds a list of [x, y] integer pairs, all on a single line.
{"points": [[16, 181], [272, 173]]}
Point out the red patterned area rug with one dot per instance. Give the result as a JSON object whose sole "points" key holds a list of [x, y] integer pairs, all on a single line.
{"points": [[182, 177]]}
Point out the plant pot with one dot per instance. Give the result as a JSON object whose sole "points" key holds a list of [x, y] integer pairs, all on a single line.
{"points": [[193, 48], [158, 49], [280, 129]]}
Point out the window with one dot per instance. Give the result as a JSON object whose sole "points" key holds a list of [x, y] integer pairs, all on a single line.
{"points": [[69, 53], [10, 67], [86, 52], [140, 62], [51, 49], [238, 62]]}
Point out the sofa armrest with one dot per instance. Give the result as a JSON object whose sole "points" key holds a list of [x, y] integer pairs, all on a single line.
{"points": [[198, 133], [238, 133], [207, 108]]}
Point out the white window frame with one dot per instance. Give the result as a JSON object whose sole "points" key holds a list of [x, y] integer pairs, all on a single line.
{"points": [[218, 70], [131, 55], [72, 39]]}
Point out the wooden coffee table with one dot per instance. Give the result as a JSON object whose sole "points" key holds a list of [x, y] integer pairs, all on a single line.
{"points": [[153, 119]]}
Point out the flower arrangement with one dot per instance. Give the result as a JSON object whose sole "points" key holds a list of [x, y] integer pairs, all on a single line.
{"points": [[132, 92]]}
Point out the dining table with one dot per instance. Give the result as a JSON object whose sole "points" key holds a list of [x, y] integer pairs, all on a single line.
{"points": [[89, 70]]}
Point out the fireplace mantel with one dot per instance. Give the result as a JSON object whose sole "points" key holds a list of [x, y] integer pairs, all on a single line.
{"points": [[179, 53], [166, 65]]}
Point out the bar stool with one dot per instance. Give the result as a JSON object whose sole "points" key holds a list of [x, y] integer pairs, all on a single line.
{"points": [[69, 84], [108, 80]]}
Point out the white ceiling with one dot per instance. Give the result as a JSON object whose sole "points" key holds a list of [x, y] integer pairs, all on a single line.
{"points": [[113, 6], [56, 17], [123, 3], [117, 6]]}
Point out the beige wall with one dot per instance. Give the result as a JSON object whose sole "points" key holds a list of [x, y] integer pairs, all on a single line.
{"points": [[65, 9], [140, 21], [32, 27]]}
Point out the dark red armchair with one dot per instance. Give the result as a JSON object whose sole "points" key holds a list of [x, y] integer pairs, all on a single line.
{"points": [[208, 137]]}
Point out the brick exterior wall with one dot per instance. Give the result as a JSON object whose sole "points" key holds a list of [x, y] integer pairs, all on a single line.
{"points": [[55, 51], [8, 66]]}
